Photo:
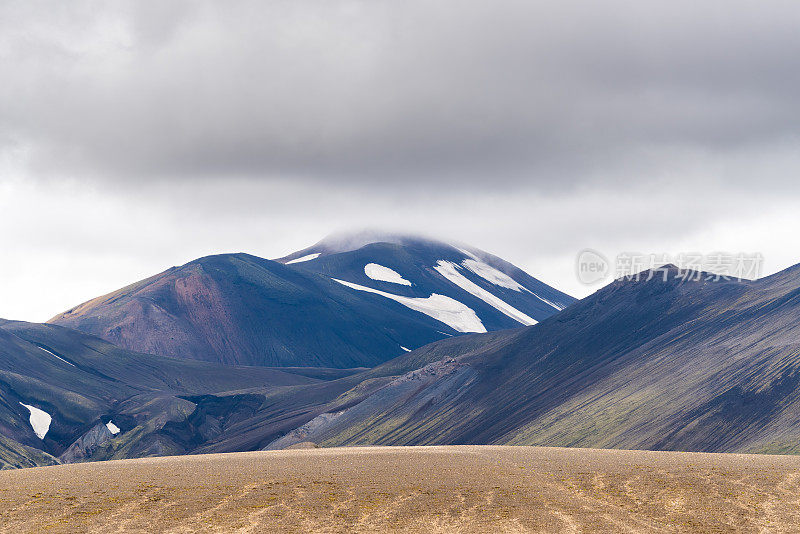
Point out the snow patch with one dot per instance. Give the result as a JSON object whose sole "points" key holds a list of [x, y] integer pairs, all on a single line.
{"points": [[450, 271], [557, 305], [451, 312], [384, 274], [304, 258], [490, 274], [499, 278], [40, 420], [57, 356], [114, 429], [467, 253]]}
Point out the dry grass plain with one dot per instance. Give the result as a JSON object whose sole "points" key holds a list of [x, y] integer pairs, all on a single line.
{"points": [[410, 489]]}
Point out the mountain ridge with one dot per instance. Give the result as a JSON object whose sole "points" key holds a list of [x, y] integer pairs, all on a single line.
{"points": [[683, 363]]}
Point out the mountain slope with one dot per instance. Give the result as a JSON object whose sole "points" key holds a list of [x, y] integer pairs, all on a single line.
{"points": [[14, 455], [648, 364], [336, 310], [57, 384]]}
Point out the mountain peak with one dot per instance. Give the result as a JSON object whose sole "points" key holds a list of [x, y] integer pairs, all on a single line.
{"points": [[670, 275], [346, 241], [663, 272]]}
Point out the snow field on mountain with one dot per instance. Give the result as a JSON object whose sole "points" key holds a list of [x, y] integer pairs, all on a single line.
{"points": [[40, 420], [384, 274], [304, 258], [451, 312], [57, 356], [450, 271], [492, 275]]}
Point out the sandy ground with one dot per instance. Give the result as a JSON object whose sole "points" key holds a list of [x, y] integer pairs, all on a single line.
{"points": [[411, 489]]}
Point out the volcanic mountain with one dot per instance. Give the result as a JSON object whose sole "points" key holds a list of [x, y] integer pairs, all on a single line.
{"points": [[348, 301]]}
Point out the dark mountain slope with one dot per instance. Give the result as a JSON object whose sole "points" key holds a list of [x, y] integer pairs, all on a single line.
{"points": [[287, 408], [648, 364], [62, 383], [97, 359]]}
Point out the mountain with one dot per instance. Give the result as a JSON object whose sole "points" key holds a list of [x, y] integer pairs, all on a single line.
{"points": [[693, 364], [665, 362], [65, 394], [349, 301]]}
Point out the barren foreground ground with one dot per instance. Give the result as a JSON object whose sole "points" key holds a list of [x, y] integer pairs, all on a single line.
{"points": [[412, 489]]}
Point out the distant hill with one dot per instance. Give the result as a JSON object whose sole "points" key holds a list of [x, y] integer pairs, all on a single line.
{"points": [[346, 302], [63, 392]]}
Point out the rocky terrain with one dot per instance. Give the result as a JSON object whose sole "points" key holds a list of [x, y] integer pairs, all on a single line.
{"points": [[411, 489]]}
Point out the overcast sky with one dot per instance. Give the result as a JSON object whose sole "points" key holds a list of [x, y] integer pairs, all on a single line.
{"points": [[139, 135]]}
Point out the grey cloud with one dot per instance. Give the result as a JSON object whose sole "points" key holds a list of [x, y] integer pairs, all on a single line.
{"points": [[533, 93]]}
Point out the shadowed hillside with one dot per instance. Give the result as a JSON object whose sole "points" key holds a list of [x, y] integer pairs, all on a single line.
{"points": [[698, 365], [70, 395]]}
